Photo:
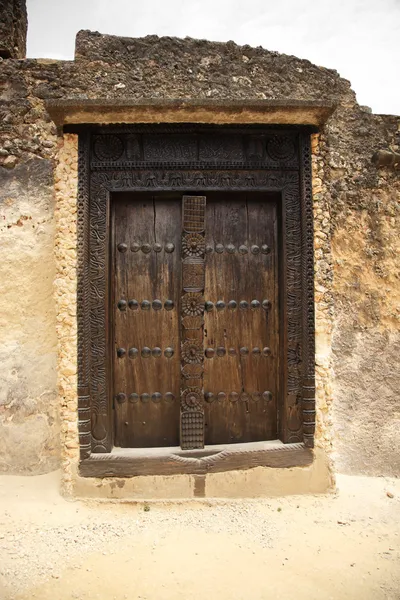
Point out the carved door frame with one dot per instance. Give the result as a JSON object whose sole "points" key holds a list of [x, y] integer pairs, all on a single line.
{"points": [[194, 159]]}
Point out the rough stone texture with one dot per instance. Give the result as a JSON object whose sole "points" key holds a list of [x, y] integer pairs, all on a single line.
{"points": [[356, 217], [13, 28]]}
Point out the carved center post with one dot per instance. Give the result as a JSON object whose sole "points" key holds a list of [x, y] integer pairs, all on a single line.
{"points": [[192, 321]]}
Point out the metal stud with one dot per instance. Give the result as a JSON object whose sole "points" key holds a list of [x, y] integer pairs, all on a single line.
{"points": [[146, 352], [221, 396], [156, 352], [266, 351], [146, 248], [122, 248], [232, 304], [233, 396], [157, 247], [156, 397], [256, 396], [255, 304], [157, 305], [121, 398], [266, 304], [145, 397], [133, 353], [133, 304], [135, 247], [209, 397], [243, 249], [169, 397], [168, 305], [209, 352], [209, 306], [256, 351], [265, 249], [121, 352], [220, 305], [145, 305], [232, 351], [169, 248], [244, 351], [243, 304], [122, 304], [267, 396], [244, 396], [209, 249], [221, 351], [133, 398], [219, 248], [255, 249], [168, 352], [230, 248]]}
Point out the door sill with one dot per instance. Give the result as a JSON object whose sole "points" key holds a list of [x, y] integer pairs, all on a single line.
{"points": [[132, 462]]}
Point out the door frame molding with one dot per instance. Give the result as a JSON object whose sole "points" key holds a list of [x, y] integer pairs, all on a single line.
{"points": [[194, 159]]}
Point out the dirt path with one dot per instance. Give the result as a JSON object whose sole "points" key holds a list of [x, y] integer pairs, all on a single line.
{"points": [[306, 547]]}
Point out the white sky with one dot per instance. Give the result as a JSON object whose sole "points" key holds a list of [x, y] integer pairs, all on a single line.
{"points": [[358, 38]]}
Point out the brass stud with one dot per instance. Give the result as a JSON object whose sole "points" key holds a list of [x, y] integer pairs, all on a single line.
{"points": [[266, 304], [220, 305], [230, 248], [133, 398], [267, 396], [255, 249], [209, 352], [209, 306], [156, 397], [219, 248], [266, 351], [122, 305], [133, 304], [169, 248], [256, 351], [145, 305], [135, 247], [232, 351], [168, 305], [243, 304], [121, 352], [244, 351], [232, 304], [121, 398], [255, 304], [221, 396], [265, 249], [122, 248], [146, 248], [133, 353], [156, 352], [146, 352], [221, 351], [209, 397], [169, 397], [256, 396], [145, 397], [243, 249], [168, 352], [157, 247], [244, 396], [209, 249], [233, 396], [157, 305]]}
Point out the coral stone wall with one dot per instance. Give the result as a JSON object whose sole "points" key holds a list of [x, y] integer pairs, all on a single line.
{"points": [[356, 209]]}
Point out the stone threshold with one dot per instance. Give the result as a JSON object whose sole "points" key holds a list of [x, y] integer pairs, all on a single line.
{"points": [[75, 111], [132, 462]]}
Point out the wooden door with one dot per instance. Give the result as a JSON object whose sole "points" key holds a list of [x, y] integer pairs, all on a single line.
{"points": [[207, 373]]}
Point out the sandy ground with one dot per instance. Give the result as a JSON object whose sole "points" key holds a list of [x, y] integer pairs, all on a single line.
{"points": [[304, 547]]}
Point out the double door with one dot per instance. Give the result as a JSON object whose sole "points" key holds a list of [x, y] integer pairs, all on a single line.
{"points": [[195, 319]]}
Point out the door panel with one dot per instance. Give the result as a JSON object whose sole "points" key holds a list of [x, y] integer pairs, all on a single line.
{"points": [[241, 319], [146, 327]]}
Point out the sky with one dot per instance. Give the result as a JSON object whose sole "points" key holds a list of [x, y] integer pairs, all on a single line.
{"points": [[358, 38]]}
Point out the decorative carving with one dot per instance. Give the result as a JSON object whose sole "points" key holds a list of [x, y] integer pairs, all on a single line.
{"points": [[193, 304], [194, 211], [192, 429], [280, 147], [193, 245], [191, 398], [192, 322], [108, 147], [193, 274], [192, 351], [192, 371]]}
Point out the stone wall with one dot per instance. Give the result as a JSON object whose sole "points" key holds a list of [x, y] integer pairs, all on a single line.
{"points": [[13, 27], [356, 215]]}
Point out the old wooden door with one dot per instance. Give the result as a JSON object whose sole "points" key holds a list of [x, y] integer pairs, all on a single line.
{"points": [[195, 306]]}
